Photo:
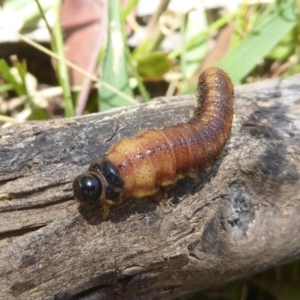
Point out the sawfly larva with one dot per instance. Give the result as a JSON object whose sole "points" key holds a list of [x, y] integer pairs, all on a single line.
{"points": [[154, 158]]}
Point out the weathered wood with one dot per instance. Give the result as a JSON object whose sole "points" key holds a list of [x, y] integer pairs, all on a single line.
{"points": [[241, 217]]}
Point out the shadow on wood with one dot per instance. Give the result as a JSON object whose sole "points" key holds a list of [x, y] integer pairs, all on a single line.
{"points": [[239, 218]]}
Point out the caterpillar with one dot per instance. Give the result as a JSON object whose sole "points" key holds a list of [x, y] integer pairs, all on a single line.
{"points": [[140, 166]]}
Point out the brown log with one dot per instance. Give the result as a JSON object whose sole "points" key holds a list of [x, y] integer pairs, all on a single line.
{"points": [[237, 219]]}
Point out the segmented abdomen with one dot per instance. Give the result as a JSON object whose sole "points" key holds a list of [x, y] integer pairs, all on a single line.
{"points": [[159, 157]]}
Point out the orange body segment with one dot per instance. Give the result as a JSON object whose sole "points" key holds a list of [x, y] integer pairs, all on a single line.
{"points": [[155, 158]]}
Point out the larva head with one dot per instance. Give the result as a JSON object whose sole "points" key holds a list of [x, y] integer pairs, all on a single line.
{"points": [[102, 182], [87, 188]]}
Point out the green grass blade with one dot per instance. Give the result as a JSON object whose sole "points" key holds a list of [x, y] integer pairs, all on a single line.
{"points": [[5, 71], [199, 38], [61, 67], [140, 85], [22, 71], [128, 8], [274, 25], [4, 88]]}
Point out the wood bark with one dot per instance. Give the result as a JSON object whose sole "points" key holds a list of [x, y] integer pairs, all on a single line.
{"points": [[238, 218]]}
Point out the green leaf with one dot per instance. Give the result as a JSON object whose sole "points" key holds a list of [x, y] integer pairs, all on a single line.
{"points": [[114, 70], [279, 19], [286, 47], [154, 65], [195, 22]]}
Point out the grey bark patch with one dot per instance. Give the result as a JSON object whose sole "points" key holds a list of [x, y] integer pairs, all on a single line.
{"points": [[20, 287], [211, 241], [276, 167], [240, 212]]}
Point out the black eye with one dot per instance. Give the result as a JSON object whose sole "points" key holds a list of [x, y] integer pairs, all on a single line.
{"points": [[111, 174], [87, 188]]}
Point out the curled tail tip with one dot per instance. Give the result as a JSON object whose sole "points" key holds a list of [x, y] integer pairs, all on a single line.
{"points": [[214, 71]]}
